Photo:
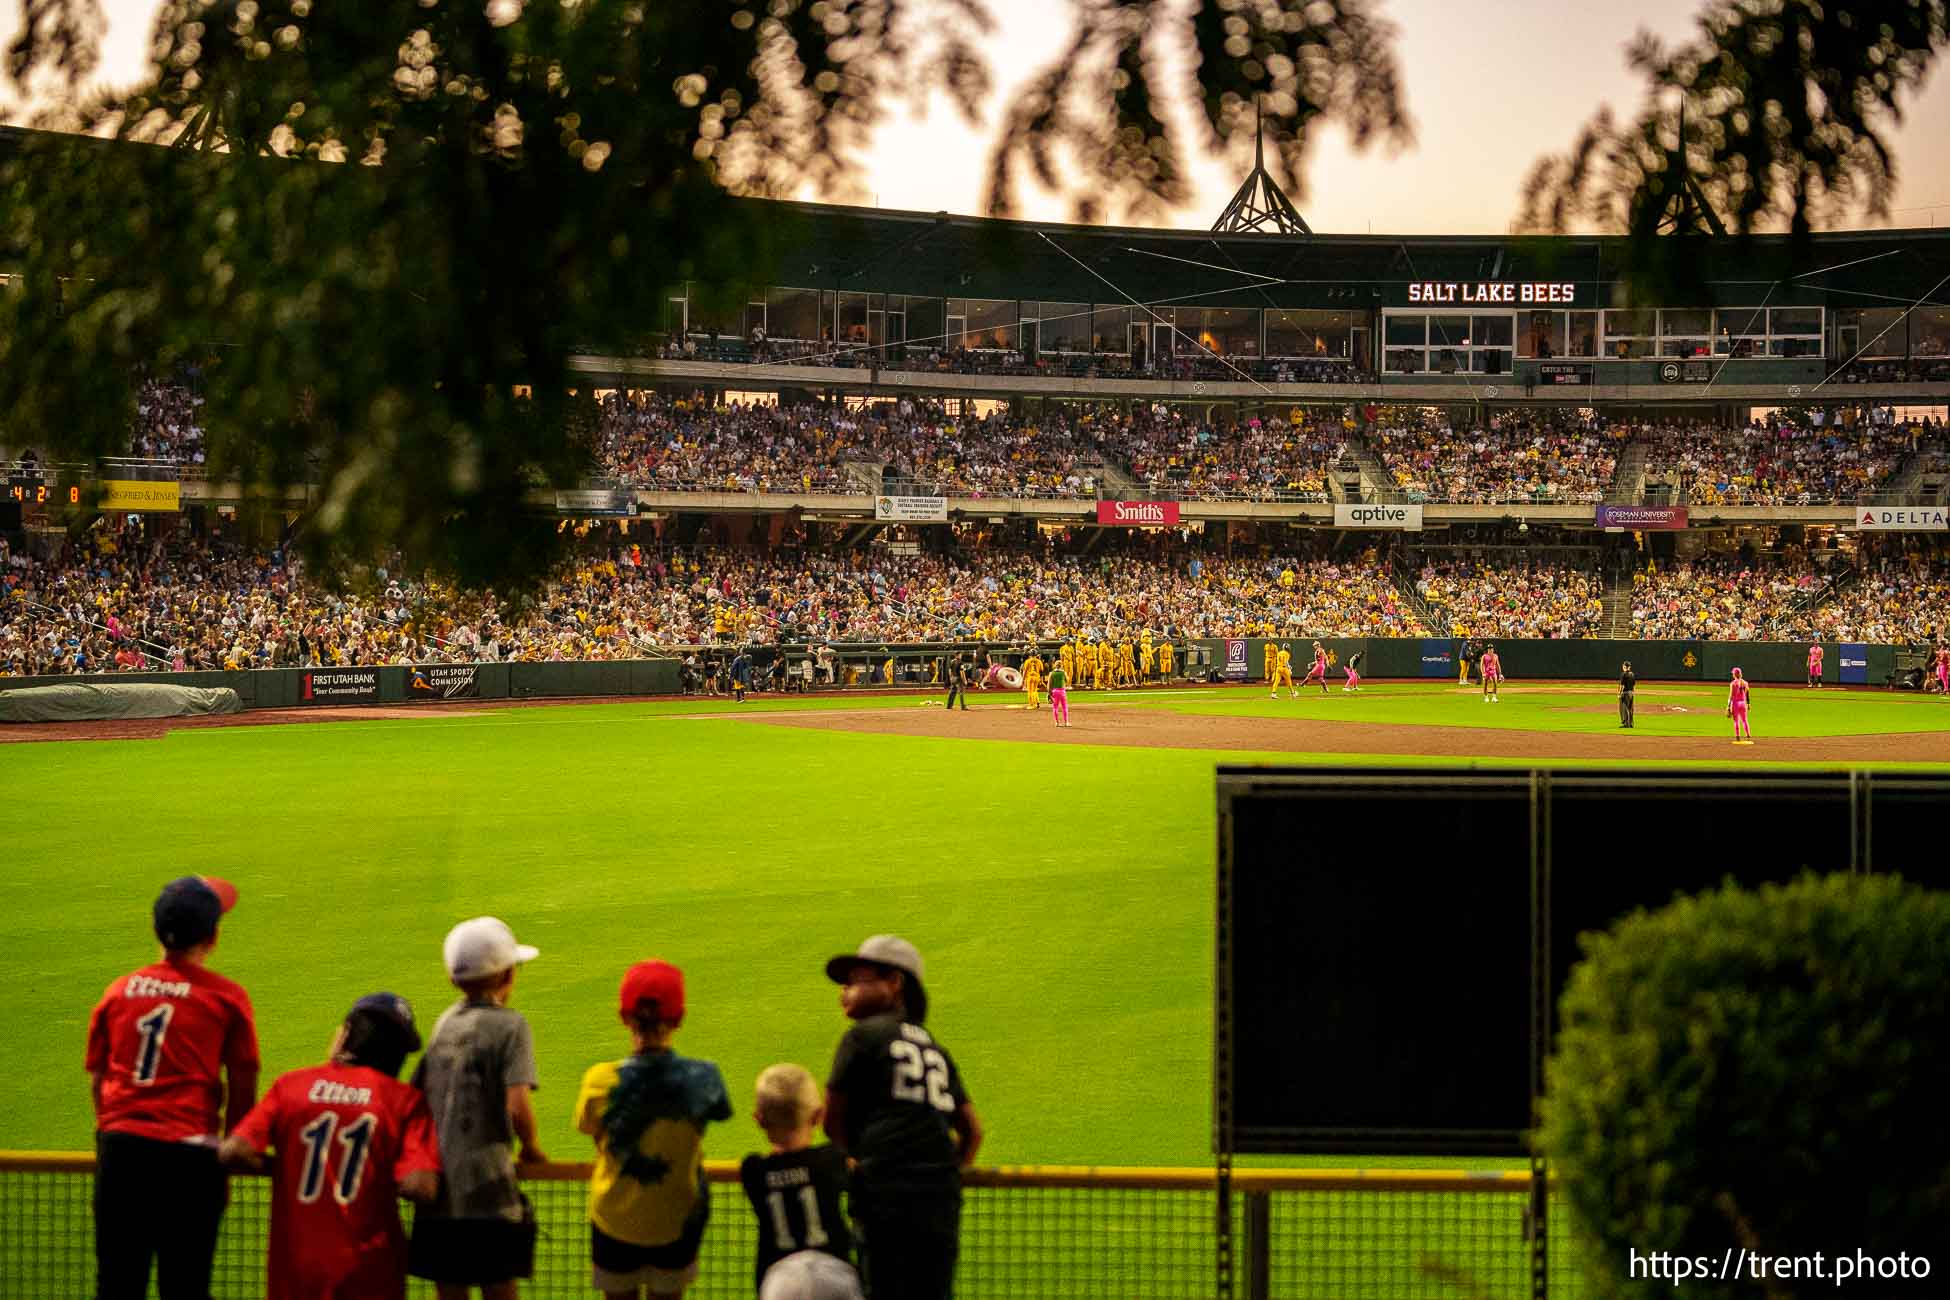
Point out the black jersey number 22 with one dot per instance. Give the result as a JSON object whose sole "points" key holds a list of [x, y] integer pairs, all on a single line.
{"points": [[920, 1075]]}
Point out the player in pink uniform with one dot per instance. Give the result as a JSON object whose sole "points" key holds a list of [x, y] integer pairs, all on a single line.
{"points": [[1814, 666], [1318, 673], [1491, 669], [1943, 670], [1737, 710], [1353, 672]]}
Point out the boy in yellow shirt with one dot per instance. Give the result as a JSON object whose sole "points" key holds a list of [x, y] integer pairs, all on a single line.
{"points": [[648, 1202]]}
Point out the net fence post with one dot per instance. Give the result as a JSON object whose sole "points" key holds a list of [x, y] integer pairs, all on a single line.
{"points": [[1259, 1245], [1222, 1117], [1538, 1225]]}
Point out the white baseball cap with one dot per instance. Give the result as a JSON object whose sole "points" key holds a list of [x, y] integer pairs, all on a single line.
{"points": [[810, 1275], [482, 947]]}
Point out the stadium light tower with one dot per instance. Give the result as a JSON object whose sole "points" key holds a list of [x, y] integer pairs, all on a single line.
{"points": [[1260, 207], [1687, 210]]}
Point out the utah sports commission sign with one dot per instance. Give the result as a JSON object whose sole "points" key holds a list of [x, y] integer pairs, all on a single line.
{"points": [[1138, 514]]}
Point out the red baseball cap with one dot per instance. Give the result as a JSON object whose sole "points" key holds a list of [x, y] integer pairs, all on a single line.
{"points": [[658, 983]]}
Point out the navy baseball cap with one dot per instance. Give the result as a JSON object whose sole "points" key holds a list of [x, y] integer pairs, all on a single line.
{"points": [[393, 1011], [189, 908]]}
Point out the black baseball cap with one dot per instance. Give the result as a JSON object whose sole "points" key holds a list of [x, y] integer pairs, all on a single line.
{"points": [[386, 1033], [189, 909]]}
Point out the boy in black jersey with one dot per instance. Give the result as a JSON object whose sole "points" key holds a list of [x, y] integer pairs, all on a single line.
{"points": [[896, 1104], [795, 1191]]}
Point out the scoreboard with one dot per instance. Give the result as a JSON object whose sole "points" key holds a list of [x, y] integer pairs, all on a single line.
{"points": [[63, 487], [37, 487]]}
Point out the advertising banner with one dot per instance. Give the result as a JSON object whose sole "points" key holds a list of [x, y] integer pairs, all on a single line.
{"points": [[1564, 372], [1407, 518], [1639, 518], [1138, 514], [1438, 658], [1901, 519], [913, 510], [133, 496], [443, 682], [340, 686], [596, 502], [1854, 662], [1236, 668]]}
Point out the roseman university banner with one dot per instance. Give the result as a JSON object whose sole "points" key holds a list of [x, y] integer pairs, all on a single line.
{"points": [[1642, 518]]}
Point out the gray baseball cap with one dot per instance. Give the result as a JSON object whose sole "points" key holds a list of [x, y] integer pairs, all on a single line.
{"points": [[887, 950]]}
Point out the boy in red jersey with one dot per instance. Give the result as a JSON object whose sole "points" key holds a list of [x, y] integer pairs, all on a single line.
{"points": [[351, 1139], [162, 1044]]}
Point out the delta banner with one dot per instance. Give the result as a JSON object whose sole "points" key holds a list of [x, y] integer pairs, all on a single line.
{"points": [[1406, 518], [596, 503], [1641, 518], [137, 496], [443, 682], [1900, 519], [340, 686], [911, 510], [1439, 658], [1138, 514], [1237, 669], [1854, 665]]}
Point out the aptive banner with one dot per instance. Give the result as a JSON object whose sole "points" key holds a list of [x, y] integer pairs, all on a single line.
{"points": [[133, 496], [443, 682], [1854, 665], [1639, 518], [1236, 667], [1138, 514], [593, 502], [913, 510], [1438, 658], [340, 686], [1900, 519], [1407, 518]]}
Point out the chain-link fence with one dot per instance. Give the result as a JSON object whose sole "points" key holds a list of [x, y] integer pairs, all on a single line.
{"points": [[1131, 1234]]}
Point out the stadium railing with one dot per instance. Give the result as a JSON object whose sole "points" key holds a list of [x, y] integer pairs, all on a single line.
{"points": [[1127, 1233]]}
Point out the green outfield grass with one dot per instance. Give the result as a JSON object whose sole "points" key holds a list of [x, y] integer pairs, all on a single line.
{"points": [[1062, 894]]}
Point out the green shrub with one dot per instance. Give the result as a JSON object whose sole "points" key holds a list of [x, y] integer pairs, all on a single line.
{"points": [[1759, 1070]]}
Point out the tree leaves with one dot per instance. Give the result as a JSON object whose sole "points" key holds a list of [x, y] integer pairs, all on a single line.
{"points": [[1775, 115]]}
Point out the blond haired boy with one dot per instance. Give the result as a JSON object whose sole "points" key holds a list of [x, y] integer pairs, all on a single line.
{"points": [[795, 1189]]}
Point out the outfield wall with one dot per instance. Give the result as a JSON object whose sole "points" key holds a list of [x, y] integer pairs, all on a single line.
{"points": [[1383, 657]]}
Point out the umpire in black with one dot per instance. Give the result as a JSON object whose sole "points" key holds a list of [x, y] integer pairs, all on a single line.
{"points": [[896, 1104], [958, 680], [1626, 681]]}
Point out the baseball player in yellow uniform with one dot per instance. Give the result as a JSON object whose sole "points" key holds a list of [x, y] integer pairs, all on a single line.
{"points": [[1032, 680], [1147, 655], [1164, 661], [1066, 658], [1106, 666], [1272, 663], [1127, 663], [1283, 675]]}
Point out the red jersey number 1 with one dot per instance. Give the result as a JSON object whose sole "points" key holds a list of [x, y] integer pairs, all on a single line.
{"points": [[148, 1054]]}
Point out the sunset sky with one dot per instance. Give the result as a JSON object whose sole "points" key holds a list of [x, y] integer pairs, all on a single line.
{"points": [[1491, 87]]}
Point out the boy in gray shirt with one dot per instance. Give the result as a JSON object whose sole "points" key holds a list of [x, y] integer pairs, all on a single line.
{"points": [[477, 1073]]}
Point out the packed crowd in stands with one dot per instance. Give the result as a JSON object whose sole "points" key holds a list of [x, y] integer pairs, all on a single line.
{"points": [[1726, 598], [119, 601], [1174, 455], [1895, 598], [1521, 598], [167, 423], [1515, 459], [1778, 463]]}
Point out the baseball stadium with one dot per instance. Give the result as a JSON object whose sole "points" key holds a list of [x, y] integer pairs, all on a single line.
{"points": [[1120, 616]]}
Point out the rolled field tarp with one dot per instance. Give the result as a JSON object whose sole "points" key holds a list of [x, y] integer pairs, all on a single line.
{"points": [[105, 701]]}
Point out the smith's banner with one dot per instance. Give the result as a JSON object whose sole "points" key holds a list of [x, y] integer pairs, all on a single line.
{"points": [[1638, 518], [919, 510], [1903, 519], [1438, 658], [1407, 518], [1236, 660], [1854, 664], [596, 502], [1138, 514], [443, 682], [134, 496], [340, 686]]}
